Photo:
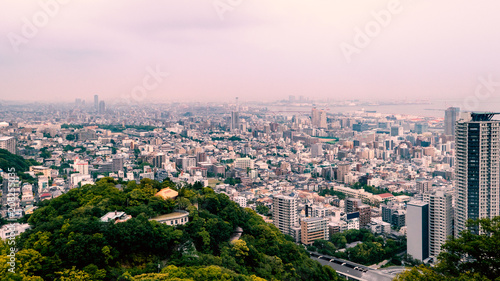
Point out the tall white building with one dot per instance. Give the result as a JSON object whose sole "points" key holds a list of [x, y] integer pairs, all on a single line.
{"points": [[418, 230], [440, 219], [477, 143], [285, 213], [8, 143], [81, 166]]}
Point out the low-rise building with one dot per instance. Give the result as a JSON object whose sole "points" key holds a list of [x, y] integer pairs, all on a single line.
{"points": [[12, 230], [175, 218], [116, 217]]}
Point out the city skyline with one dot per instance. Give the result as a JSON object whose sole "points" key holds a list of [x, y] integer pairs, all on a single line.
{"points": [[254, 50]]}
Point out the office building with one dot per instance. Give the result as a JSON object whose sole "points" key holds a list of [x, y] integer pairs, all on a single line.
{"points": [[356, 205], [477, 141], [235, 120], [398, 218], [159, 160], [423, 186], [421, 128], [316, 150], [96, 103], [396, 131], [102, 107], [391, 214], [418, 230], [450, 118], [318, 118], [342, 170], [8, 143], [117, 165], [81, 166], [386, 212], [244, 163], [312, 229], [440, 219], [285, 213]]}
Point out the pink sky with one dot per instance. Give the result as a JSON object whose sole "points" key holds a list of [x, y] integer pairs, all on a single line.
{"points": [[262, 50]]}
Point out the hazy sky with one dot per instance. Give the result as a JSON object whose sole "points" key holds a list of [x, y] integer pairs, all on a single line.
{"points": [[253, 49]]}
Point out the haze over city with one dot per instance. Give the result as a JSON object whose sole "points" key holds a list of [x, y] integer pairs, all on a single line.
{"points": [[256, 50], [249, 140]]}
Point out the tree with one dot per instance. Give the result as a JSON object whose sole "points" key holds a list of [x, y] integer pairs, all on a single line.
{"points": [[471, 252], [471, 256], [339, 240], [68, 241], [262, 209], [73, 274], [324, 247], [70, 137], [44, 153]]}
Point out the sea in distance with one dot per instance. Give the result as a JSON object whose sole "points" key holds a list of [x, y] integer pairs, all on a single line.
{"points": [[426, 109]]}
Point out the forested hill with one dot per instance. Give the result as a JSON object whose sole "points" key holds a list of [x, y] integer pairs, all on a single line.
{"points": [[67, 240], [14, 163]]}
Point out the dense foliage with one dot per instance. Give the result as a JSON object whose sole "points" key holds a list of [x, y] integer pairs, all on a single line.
{"points": [[9, 160], [470, 257], [68, 241], [21, 165], [377, 190], [373, 249], [332, 192]]}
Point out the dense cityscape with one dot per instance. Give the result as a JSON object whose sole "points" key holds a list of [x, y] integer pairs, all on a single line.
{"points": [[233, 140], [363, 193]]}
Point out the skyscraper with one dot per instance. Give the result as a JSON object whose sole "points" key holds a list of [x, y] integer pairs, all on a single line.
{"points": [[235, 120], [285, 213], [314, 116], [477, 141], [318, 118], [418, 230], [450, 118], [96, 103], [440, 219], [102, 107]]}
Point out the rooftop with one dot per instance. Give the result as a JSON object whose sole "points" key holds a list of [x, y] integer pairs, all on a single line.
{"points": [[483, 116], [385, 195], [417, 203], [173, 215], [167, 193]]}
